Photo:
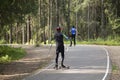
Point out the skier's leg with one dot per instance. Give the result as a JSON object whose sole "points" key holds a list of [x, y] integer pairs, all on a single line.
{"points": [[70, 41], [56, 59], [74, 40], [62, 55], [57, 56]]}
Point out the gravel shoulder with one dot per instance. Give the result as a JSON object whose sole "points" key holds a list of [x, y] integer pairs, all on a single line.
{"points": [[114, 53], [38, 57]]}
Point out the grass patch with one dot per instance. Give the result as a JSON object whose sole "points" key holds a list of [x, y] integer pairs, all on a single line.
{"points": [[101, 42], [9, 54], [115, 69]]}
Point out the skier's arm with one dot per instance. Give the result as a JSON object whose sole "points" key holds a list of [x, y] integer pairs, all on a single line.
{"points": [[65, 37]]}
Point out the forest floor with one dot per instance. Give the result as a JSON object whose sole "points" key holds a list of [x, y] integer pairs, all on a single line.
{"points": [[38, 57]]}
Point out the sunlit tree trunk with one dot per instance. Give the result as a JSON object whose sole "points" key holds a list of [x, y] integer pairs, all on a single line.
{"points": [[88, 20], [28, 30], [50, 19], [68, 17], [44, 15], [57, 12], [76, 25], [39, 24]]}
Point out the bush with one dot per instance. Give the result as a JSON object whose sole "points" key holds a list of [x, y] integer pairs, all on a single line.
{"points": [[5, 59], [8, 54], [2, 42]]}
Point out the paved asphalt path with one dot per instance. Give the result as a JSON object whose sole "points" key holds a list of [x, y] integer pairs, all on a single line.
{"points": [[86, 63]]}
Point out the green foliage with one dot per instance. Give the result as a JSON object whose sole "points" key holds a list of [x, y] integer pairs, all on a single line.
{"points": [[8, 54], [5, 59], [113, 13], [15, 10], [115, 69], [92, 18], [100, 41], [116, 25]]}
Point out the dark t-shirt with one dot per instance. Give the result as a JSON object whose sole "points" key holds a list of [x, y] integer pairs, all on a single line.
{"points": [[59, 39]]}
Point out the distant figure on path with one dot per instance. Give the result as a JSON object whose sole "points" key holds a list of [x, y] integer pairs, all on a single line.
{"points": [[73, 35]]}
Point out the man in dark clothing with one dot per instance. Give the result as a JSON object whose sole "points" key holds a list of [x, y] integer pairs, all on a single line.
{"points": [[59, 46], [73, 35]]}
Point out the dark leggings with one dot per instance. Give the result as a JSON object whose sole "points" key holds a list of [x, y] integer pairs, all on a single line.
{"points": [[59, 49], [73, 39]]}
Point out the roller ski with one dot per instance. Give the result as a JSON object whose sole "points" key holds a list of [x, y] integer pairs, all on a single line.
{"points": [[56, 67], [64, 67]]}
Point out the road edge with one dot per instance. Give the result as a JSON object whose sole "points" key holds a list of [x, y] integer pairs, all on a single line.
{"points": [[109, 66]]}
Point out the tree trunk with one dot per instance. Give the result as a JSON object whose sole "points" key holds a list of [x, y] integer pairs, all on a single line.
{"points": [[68, 19], [39, 23], [76, 24], [10, 38], [102, 20], [44, 21], [88, 17], [23, 35], [50, 19], [57, 12], [28, 30]]}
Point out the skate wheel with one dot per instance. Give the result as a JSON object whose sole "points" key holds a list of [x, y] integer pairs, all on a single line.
{"points": [[60, 67], [55, 68], [68, 67]]}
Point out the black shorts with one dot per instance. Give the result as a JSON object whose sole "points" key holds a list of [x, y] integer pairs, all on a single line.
{"points": [[60, 48]]}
